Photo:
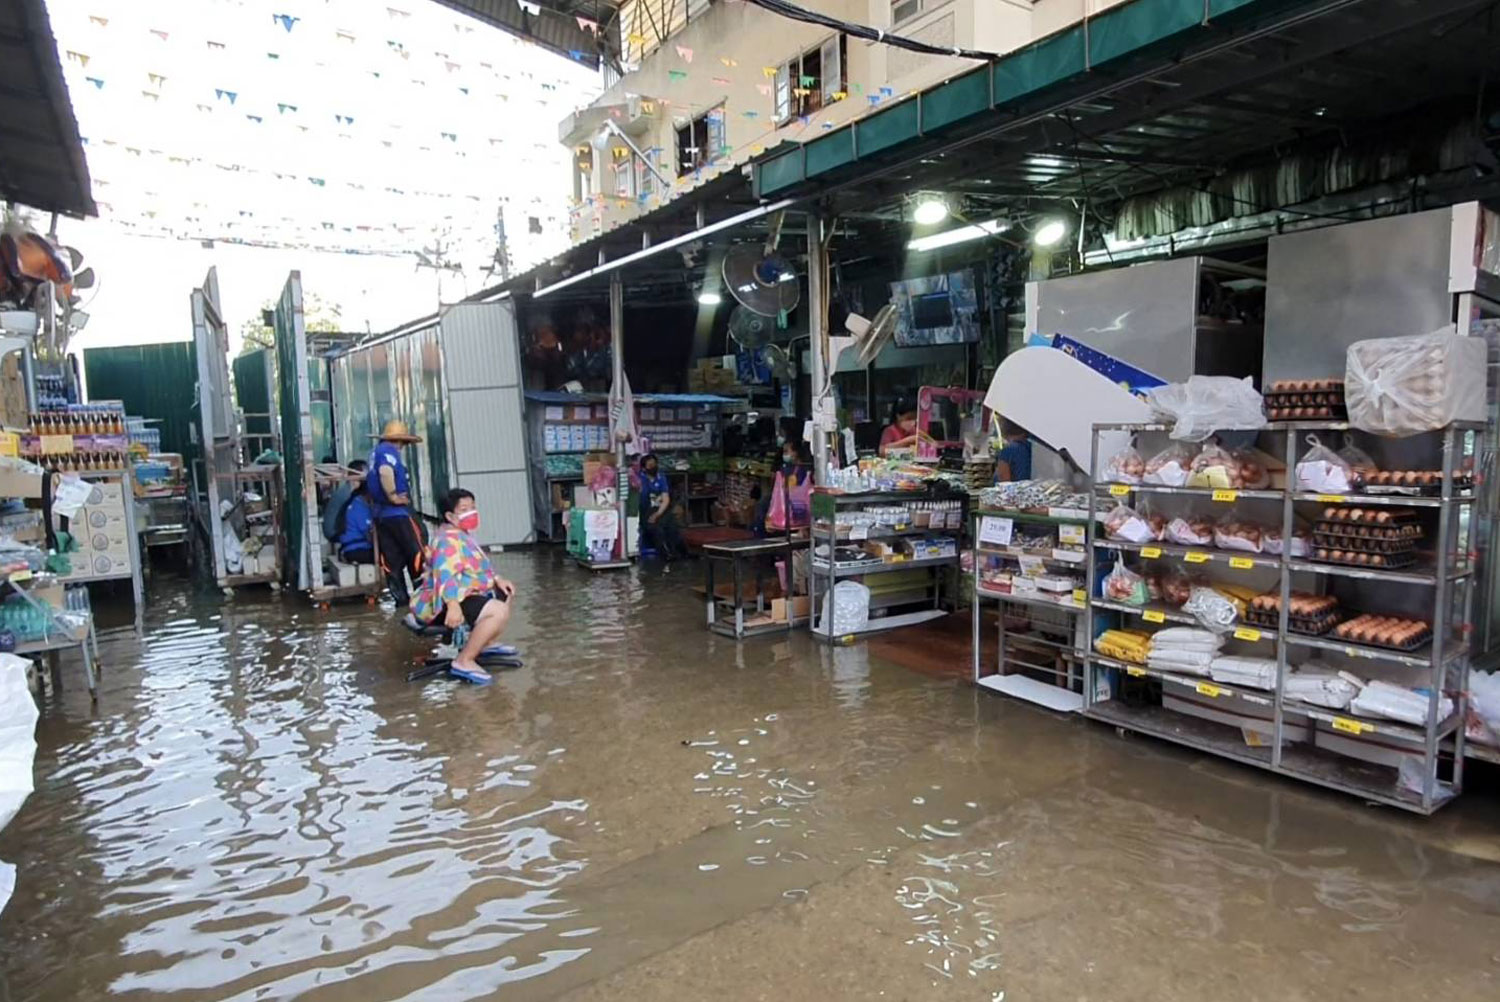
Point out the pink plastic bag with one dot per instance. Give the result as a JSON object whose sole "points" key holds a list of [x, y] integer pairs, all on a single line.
{"points": [[776, 514]]}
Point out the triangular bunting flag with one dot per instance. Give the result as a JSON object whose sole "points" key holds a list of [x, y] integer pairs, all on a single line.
{"points": [[287, 21], [728, 61], [765, 89], [768, 71], [676, 75], [685, 53]]}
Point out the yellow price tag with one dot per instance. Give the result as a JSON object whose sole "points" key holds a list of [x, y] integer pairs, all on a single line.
{"points": [[1135, 672], [1226, 495], [24, 574], [1195, 557], [1332, 498], [1356, 653], [1119, 490], [1151, 552], [1241, 563], [1245, 633], [1079, 595], [1154, 616], [1351, 726], [1211, 691]]}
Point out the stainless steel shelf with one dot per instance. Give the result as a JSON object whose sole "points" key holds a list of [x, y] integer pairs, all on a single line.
{"points": [[1168, 614], [1076, 558], [884, 567], [1207, 492], [1380, 500], [1192, 554], [998, 596], [1419, 658], [1371, 574]]}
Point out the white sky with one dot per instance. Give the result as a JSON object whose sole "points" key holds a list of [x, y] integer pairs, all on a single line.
{"points": [[366, 132]]}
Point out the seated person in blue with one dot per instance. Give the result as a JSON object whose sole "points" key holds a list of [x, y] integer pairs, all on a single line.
{"points": [[1014, 461], [658, 523], [349, 520]]}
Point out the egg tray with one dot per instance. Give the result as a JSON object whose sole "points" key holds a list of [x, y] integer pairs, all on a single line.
{"points": [[1424, 637], [1463, 484], [1362, 544], [1308, 626], [1393, 561], [1370, 516], [1407, 531], [1328, 413]]}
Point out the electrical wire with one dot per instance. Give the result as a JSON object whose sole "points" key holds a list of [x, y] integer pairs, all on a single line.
{"points": [[796, 13]]}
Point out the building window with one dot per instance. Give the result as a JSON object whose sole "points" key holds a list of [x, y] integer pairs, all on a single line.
{"points": [[904, 10], [811, 81], [700, 142]]}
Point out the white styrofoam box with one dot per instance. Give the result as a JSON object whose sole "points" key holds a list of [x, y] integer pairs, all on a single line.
{"points": [[365, 574], [1381, 749], [249, 564], [344, 574], [632, 535], [1232, 710]]}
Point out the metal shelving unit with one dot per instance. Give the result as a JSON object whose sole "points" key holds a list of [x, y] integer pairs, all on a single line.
{"points": [[1331, 759], [825, 508], [1058, 617]]}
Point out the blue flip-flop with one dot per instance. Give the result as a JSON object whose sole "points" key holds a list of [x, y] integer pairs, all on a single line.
{"points": [[500, 651], [470, 676]]}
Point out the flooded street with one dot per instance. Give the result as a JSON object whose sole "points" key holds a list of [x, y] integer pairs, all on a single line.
{"points": [[260, 807]]}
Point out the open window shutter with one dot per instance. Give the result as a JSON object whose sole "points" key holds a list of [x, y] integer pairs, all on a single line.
{"points": [[783, 92], [715, 135], [833, 68]]}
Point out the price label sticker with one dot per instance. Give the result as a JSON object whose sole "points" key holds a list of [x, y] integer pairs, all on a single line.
{"points": [[1031, 567], [1226, 495], [1332, 498], [1351, 726], [1211, 691], [24, 574], [1245, 633], [1079, 595], [1355, 652], [859, 532], [996, 531], [1196, 557], [1151, 552], [1072, 535], [1154, 616], [1136, 672], [1241, 563], [1119, 490]]}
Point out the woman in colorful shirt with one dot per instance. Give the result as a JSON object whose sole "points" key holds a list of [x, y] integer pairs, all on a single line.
{"points": [[460, 586]]}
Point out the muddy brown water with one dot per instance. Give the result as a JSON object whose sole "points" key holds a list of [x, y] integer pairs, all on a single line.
{"points": [[259, 807]]}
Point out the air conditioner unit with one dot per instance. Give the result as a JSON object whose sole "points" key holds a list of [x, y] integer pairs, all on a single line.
{"points": [[639, 112]]}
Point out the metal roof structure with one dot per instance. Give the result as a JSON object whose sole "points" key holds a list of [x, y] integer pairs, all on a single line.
{"points": [[555, 27], [41, 155], [1148, 95]]}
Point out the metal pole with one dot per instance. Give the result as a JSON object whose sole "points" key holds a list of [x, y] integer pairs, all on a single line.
{"points": [[617, 361], [817, 329]]}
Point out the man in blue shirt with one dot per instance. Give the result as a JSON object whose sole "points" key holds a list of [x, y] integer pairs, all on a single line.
{"points": [[658, 524], [388, 485], [349, 521]]}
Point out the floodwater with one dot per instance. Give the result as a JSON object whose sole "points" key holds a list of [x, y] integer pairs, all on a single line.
{"points": [[259, 807]]}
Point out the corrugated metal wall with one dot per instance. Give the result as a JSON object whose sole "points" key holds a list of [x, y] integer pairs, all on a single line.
{"points": [[155, 381]]}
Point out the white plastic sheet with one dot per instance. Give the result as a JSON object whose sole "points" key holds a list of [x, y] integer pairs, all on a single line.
{"points": [[17, 751], [1207, 404], [849, 606]]}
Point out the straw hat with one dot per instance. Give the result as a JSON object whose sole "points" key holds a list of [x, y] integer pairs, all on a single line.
{"points": [[396, 431]]}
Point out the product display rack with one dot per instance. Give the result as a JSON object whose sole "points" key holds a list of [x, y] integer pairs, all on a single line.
{"points": [[825, 508], [1009, 642], [1341, 747]]}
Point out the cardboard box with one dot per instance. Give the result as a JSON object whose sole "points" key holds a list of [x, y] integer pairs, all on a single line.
{"points": [[53, 593], [19, 480], [1252, 719], [800, 606]]}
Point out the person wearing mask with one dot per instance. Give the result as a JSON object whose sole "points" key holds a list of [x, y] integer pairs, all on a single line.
{"points": [[1014, 461], [349, 521], [388, 484], [902, 432], [796, 470], [460, 585], [658, 523]]}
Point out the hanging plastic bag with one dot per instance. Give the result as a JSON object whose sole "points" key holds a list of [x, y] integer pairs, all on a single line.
{"points": [[1216, 612], [1360, 461], [1125, 467], [799, 502], [1250, 474], [1206, 404], [1191, 530], [1126, 523], [1323, 471], [1125, 586], [1402, 386], [1169, 467], [776, 514], [1272, 543]]}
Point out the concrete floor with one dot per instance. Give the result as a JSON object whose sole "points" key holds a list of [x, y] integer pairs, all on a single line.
{"points": [[259, 807]]}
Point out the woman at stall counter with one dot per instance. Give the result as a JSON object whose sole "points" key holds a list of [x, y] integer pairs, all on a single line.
{"points": [[1014, 461], [903, 432]]}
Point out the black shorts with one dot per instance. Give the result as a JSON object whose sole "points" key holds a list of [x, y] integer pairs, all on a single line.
{"points": [[472, 607]]}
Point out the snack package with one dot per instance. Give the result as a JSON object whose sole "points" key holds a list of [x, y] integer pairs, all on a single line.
{"points": [[1234, 534], [1124, 585], [1169, 467], [1213, 467], [1206, 404], [1126, 524], [1323, 471], [1191, 530], [1402, 386], [1125, 467], [1215, 611]]}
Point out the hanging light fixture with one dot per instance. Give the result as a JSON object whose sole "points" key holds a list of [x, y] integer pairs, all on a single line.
{"points": [[962, 234], [930, 210], [1049, 232], [707, 298]]}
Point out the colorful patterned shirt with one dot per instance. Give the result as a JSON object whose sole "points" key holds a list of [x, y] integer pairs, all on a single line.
{"points": [[457, 567]]}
